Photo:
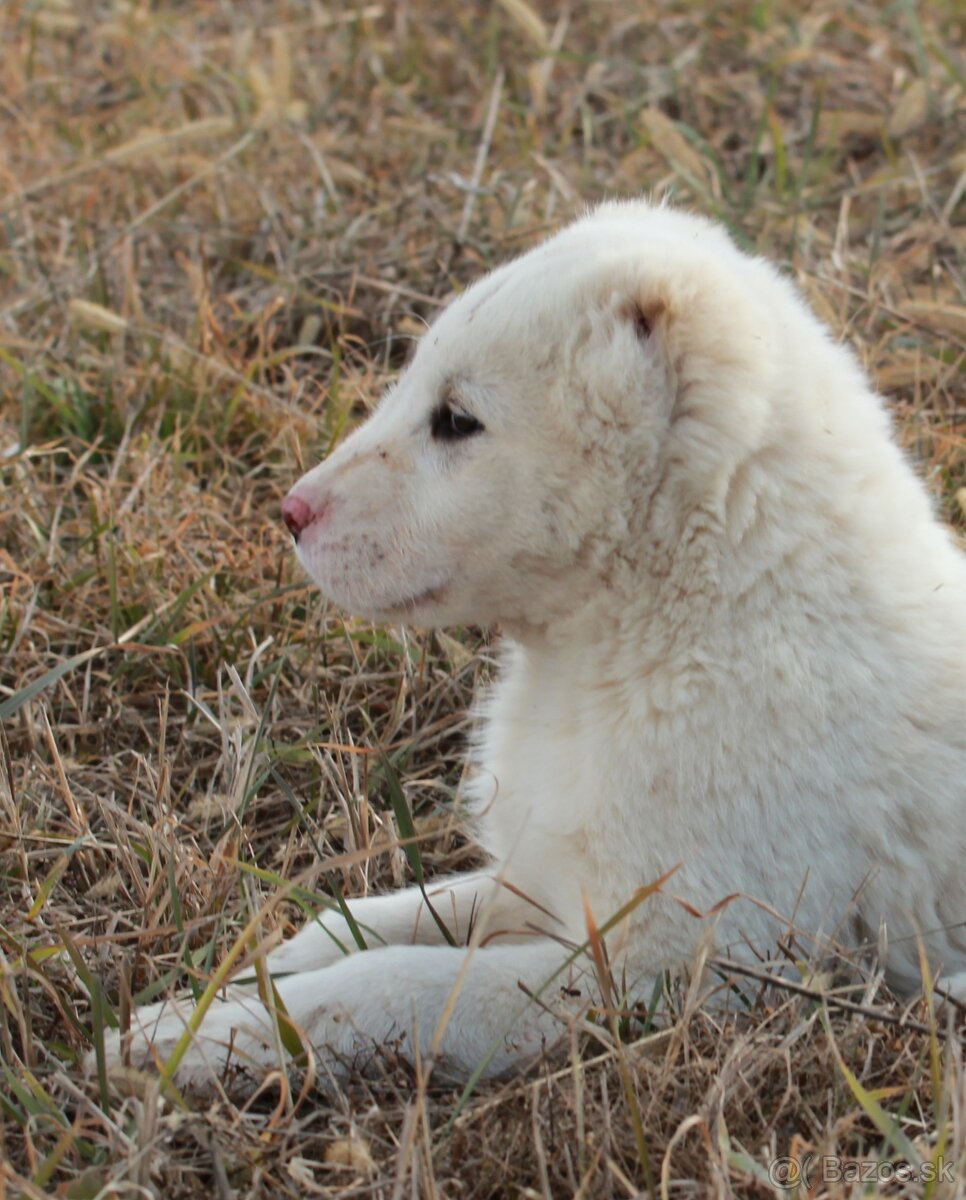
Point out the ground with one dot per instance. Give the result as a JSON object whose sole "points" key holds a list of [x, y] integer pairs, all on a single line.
{"points": [[221, 224]]}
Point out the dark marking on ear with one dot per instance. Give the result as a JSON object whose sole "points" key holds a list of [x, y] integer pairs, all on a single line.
{"points": [[644, 317]]}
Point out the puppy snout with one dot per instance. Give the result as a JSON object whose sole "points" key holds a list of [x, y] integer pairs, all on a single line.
{"points": [[298, 514]]}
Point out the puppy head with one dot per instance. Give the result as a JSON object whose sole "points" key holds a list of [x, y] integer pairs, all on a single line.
{"points": [[510, 467]]}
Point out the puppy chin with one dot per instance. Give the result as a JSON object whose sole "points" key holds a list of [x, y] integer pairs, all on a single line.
{"points": [[426, 607]]}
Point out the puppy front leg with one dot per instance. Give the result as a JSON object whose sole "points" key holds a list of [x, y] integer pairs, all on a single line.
{"points": [[462, 1007], [403, 918]]}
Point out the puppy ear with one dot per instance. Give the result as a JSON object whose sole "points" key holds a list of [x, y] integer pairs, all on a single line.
{"points": [[713, 363], [645, 316]]}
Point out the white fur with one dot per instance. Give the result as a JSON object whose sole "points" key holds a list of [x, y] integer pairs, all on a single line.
{"points": [[736, 644]]}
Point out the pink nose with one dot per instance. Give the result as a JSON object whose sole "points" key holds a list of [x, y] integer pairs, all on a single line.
{"points": [[296, 514]]}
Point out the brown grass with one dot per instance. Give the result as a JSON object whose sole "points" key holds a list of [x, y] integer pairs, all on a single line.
{"points": [[220, 224]]}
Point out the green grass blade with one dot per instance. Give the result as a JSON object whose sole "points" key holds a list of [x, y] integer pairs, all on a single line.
{"points": [[15, 702]]}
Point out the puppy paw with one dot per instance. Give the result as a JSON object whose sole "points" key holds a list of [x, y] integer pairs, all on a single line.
{"points": [[234, 1035]]}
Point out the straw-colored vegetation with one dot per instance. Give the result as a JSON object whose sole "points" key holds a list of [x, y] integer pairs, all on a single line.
{"points": [[220, 225]]}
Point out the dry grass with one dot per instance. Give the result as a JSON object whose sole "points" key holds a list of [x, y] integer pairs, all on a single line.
{"points": [[220, 223]]}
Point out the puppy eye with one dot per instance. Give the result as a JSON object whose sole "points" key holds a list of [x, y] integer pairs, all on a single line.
{"points": [[449, 424]]}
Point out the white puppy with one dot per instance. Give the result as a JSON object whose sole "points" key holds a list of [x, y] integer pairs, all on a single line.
{"points": [[735, 646]]}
